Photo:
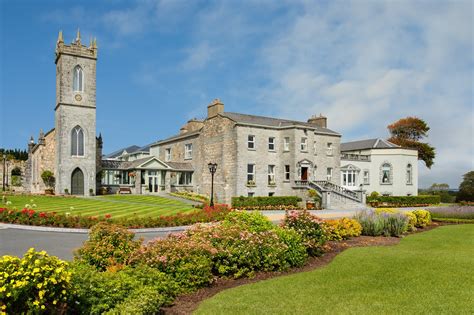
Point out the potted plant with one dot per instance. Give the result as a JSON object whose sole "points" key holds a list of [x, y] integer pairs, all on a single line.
{"points": [[314, 202], [48, 179], [91, 192], [66, 191]]}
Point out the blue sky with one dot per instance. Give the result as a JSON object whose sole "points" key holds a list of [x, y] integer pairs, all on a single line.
{"points": [[364, 64]]}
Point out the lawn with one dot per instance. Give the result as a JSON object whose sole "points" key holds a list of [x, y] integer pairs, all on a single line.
{"points": [[427, 273], [115, 205]]}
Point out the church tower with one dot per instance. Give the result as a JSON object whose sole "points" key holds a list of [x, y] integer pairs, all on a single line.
{"points": [[75, 117]]}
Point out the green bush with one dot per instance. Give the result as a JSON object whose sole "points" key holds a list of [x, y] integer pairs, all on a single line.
{"points": [[309, 227], [265, 203], [140, 289], [341, 229], [382, 223], [423, 218], [401, 201], [108, 245], [249, 221], [35, 284]]}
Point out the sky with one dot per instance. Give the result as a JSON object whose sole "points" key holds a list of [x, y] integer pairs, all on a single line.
{"points": [[363, 64]]}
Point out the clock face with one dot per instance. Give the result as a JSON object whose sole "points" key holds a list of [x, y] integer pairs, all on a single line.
{"points": [[78, 97]]}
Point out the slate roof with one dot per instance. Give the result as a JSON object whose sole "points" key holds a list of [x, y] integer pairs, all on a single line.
{"points": [[180, 166], [376, 143], [179, 136], [117, 153], [273, 122]]}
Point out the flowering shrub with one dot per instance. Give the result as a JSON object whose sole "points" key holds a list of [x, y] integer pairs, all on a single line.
{"points": [[412, 221], [188, 261], [249, 221], [387, 224], [309, 227], [341, 229], [36, 283], [108, 245], [141, 290], [31, 217], [403, 201], [453, 212], [266, 203], [423, 218]]}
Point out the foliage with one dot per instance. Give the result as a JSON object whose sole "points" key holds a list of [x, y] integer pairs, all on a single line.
{"points": [[458, 212], [383, 223], [309, 227], [36, 283], [143, 290], [266, 203], [407, 132], [48, 178], [409, 214], [403, 201], [108, 245], [466, 188], [16, 180], [249, 221], [15, 154], [341, 229], [32, 217], [374, 195], [423, 218]]}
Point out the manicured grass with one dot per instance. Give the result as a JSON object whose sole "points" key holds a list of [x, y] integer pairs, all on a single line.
{"points": [[115, 205], [427, 273]]}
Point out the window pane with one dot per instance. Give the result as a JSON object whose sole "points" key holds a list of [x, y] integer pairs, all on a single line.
{"points": [[80, 142], [74, 142]]}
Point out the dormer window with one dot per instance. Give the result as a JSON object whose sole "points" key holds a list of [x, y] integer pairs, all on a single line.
{"points": [[78, 79]]}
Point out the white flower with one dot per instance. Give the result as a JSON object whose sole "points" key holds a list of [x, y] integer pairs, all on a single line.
{"points": [[67, 214], [9, 203], [33, 205], [27, 206]]}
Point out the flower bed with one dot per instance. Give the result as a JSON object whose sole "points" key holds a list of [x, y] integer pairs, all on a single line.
{"points": [[191, 196], [403, 201], [266, 203], [32, 217], [453, 213]]}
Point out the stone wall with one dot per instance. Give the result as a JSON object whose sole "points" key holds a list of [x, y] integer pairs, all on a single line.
{"points": [[41, 158]]}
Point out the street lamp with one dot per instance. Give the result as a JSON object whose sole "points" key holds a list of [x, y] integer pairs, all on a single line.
{"points": [[4, 170], [212, 169]]}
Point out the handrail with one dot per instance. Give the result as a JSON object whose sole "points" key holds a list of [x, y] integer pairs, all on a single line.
{"points": [[326, 185]]}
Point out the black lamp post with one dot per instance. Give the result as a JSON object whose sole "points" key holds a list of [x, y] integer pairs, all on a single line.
{"points": [[4, 171], [212, 169]]}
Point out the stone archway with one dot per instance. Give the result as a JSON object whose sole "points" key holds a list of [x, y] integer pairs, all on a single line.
{"points": [[77, 182]]}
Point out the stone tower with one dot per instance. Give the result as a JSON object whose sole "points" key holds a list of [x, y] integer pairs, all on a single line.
{"points": [[75, 117]]}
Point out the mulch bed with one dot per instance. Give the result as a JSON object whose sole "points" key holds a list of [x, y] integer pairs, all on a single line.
{"points": [[186, 304]]}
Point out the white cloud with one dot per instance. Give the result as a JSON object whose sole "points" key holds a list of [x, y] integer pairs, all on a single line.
{"points": [[198, 56]]}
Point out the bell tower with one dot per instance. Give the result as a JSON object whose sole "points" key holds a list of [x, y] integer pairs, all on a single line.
{"points": [[75, 116]]}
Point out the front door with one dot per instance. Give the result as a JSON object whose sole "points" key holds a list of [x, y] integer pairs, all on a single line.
{"points": [[77, 182], [152, 182], [304, 173]]}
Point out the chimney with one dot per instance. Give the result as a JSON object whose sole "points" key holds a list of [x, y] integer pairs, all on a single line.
{"points": [[320, 121], [183, 129], [215, 108]]}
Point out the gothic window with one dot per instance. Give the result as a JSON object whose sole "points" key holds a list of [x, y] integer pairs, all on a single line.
{"points": [[409, 174], [77, 141], [386, 173], [78, 79]]}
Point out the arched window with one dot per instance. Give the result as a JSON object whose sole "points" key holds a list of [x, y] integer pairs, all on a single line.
{"points": [[78, 79], [77, 141], [409, 174], [386, 173]]}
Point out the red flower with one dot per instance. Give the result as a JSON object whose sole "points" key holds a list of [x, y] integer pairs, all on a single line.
{"points": [[108, 216], [43, 215]]}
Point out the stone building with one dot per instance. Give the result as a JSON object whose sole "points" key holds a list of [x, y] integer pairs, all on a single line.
{"points": [[71, 150]]}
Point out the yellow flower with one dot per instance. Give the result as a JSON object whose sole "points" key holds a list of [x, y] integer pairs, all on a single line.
{"points": [[39, 285], [35, 270], [36, 303], [54, 302], [43, 307], [41, 294]]}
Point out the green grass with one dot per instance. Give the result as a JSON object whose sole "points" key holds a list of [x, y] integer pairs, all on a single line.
{"points": [[427, 273], [119, 206]]}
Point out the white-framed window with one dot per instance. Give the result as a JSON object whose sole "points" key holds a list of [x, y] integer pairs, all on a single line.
{"points": [[386, 173], [287, 173], [251, 174], [409, 174], [271, 144], [185, 178], [286, 144], [77, 141], [329, 173], [168, 154], [329, 148], [315, 147], [304, 144], [78, 79], [366, 177], [251, 142], [188, 151], [349, 178], [271, 175]]}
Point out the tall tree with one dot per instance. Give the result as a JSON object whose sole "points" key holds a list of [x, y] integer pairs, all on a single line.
{"points": [[466, 188], [407, 132]]}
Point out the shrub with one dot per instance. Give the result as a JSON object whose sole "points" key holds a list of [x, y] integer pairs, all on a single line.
{"points": [[265, 203], [341, 229], [36, 283], [383, 223], [402, 201], [141, 289], [188, 261], [412, 220], [249, 221], [309, 228], [395, 224], [423, 218], [454, 212], [108, 245]]}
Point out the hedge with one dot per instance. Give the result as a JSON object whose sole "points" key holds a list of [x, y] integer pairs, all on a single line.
{"points": [[405, 200], [258, 202]]}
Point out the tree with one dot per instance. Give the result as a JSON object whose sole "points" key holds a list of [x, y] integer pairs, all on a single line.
{"points": [[439, 187], [48, 178], [407, 132], [466, 188]]}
